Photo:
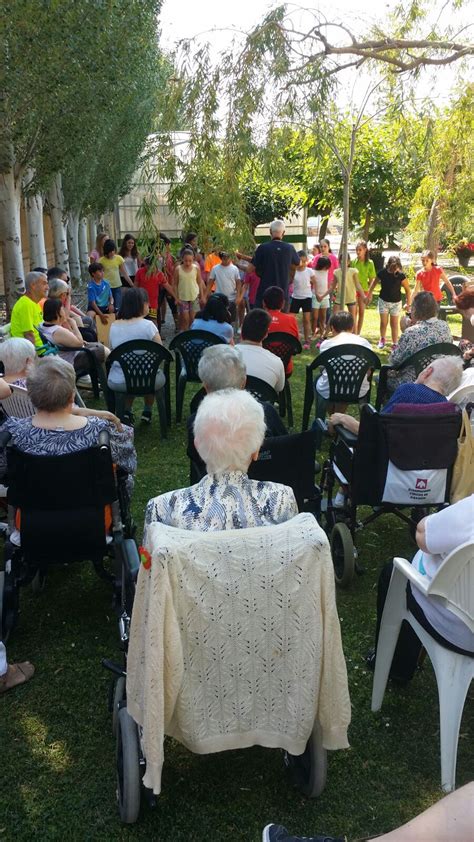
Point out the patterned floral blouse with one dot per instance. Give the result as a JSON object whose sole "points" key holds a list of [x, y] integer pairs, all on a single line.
{"points": [[30, 439], [415, 338], [223, 501]]}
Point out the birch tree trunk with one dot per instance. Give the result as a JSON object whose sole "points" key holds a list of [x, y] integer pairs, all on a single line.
{"points": [[83, 250], [56, 209], [34, 216], [92, 227], [73, 246], [10, 235]]}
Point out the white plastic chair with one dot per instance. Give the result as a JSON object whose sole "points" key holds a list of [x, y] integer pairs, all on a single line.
{"points": [[466, 388], [454, 585]]}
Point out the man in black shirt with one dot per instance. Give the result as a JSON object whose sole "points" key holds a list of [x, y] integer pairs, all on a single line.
{"points": [[273, 262]]}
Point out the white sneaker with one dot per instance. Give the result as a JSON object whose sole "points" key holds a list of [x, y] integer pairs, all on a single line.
{"points": [[381, 344], [84, 382]]}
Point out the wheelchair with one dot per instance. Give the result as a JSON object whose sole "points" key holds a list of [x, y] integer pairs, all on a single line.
{"points": [[60, 522], [398, 464]]}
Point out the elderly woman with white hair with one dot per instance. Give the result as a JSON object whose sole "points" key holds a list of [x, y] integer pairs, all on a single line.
{"points": [[228, 432], [17, 356]]}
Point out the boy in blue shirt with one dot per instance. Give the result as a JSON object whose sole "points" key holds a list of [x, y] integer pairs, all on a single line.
{"points": [[99, 294]]}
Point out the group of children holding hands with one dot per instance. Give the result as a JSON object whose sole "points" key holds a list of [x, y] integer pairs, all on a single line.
{"points": [[315, 287]]}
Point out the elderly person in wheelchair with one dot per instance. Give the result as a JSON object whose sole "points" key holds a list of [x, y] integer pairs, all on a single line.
{"points": [[58, 427], [433, 384], [228, 432]]}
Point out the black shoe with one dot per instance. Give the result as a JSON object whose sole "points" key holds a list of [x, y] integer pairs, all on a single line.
{"points": [[146, 416], [127, 418], [278, 833]]}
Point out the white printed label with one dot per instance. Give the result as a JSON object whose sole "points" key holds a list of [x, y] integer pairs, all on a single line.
{"points": [[415, 487]]}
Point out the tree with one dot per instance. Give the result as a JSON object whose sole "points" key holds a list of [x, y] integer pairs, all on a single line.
{"points": [[301, 64], [54, 81], [443, 205]]}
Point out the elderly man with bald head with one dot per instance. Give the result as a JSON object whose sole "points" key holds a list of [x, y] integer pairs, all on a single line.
{"points": [[27, 314]]}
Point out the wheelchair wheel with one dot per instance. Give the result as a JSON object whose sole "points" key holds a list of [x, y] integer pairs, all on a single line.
{"points": [[342, 550], [117, 697], [128, 768], [309, 770]]}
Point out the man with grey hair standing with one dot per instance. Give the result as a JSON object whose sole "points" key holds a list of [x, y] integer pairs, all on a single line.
{"points": [[273, 262], [27, 314]]}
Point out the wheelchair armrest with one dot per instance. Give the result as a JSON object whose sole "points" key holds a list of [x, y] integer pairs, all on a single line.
{"points": [[5, 437], [322, 425], [104, 440], [131, 559], [347, 437]]}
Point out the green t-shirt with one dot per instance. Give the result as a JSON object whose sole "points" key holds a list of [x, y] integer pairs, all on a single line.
{"points": [[366, 271], [112, 269], [26, 315]]}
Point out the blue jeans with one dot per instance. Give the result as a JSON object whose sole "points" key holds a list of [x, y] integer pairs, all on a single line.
{"points": [[117, 296]]}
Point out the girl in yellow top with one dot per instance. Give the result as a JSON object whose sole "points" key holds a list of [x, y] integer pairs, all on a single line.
{"points": [[188, 288], [353, 291], [366, 269], [114, 267]]}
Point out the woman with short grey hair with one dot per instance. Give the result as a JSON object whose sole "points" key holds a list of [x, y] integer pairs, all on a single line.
{"points": [[57, 427], [229, 429], [222, 367], [425, 330]]}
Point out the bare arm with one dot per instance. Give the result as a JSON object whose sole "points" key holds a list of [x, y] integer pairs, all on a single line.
{"points": [[346, 421], [28, 334], [448, 284], [125, 275], [421, 535], [98, 413], [406, 287]]}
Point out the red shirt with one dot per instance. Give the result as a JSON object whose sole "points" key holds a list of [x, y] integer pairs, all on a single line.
{"points": [[430, 281], [253, 281], [284, 323], [151, 283]]}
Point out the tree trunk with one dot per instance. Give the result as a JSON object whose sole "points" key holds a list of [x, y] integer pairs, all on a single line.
{"points": [[83, 250], [324, 227], [366, 228], [92, 227], [73, 247], [56, 209], [347, 175], [432, 236], [34, 215], [10, 236]]}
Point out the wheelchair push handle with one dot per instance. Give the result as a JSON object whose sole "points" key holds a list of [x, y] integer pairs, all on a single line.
{"points": [[104, 440]]}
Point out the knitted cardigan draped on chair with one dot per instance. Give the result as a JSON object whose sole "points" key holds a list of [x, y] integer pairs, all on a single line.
{"points": [[235, 641]]}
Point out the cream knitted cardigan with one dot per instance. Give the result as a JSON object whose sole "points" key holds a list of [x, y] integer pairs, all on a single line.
{"points": [[235, 641]]}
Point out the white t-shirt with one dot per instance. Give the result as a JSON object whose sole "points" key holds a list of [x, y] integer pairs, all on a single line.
{"points": [[445, 531], [321, 281], [263, 364], [226, 278], [302, 283], [322, 383], [126, 330]]}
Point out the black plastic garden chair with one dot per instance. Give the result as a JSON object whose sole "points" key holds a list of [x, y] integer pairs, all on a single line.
{"points": [[261, 390], [285, 346], [418, 361], [188, 348], [140, 361], [346, 367]]}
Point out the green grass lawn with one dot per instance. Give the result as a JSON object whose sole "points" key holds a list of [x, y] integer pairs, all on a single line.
{"points": [[57, 750]]}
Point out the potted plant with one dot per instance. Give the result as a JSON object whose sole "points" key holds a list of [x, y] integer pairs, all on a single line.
{"points": [[464, 250]]}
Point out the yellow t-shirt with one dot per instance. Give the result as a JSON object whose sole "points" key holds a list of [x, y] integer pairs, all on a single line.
{"points": [[352, 276], [188, 287], [112, 269], [26, 315]]}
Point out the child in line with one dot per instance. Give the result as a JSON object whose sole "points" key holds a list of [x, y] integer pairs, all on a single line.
{"points": [[391, 279], [301, 298], [114, 268], [429, 278], [188, 288], [99, 295], [153, 281], [366, 269], [353, 290], [320, 300]]}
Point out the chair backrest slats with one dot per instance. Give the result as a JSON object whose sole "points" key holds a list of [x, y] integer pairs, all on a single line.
{"points": [[18, 404], [139, 360], [454, 583], [190, 346]]}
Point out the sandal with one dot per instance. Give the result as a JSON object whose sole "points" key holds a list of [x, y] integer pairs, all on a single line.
{"points": [[15, 675]]}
